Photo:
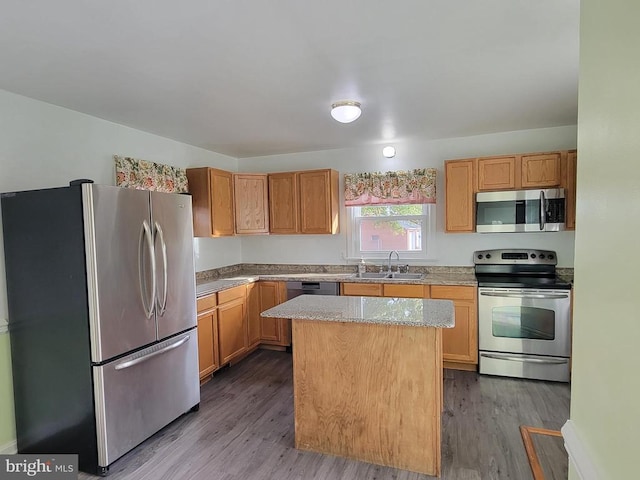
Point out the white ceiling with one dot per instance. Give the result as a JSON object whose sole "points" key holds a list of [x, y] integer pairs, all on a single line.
{"points": [[251, 77]]}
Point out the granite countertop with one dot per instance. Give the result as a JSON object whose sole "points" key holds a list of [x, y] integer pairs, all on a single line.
{"points": [[206, 287], [413, 312]]}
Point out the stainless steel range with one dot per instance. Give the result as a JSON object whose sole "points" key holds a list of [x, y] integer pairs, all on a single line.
{"points": [[524, 314]]}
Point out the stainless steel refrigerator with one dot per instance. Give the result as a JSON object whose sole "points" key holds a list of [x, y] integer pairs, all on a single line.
{"points": [[102, 317]]}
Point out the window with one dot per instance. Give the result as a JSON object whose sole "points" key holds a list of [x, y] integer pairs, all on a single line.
{"points": [[375, 230]]}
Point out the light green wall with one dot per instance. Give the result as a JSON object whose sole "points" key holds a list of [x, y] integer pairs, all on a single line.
{"points": [[7, 425], [606, 382]]}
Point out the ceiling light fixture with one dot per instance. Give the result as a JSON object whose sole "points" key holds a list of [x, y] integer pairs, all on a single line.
{"points": [[389, 151], [346, 111]]}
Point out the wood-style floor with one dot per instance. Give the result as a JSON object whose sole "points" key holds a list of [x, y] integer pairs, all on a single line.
{"points": [[244, 431]]}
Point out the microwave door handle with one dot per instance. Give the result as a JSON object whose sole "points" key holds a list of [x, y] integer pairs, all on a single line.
{"points": [[543, 212]]}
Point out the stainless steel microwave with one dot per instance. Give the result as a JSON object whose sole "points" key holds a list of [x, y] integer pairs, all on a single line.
{"points": [[521, 211]]}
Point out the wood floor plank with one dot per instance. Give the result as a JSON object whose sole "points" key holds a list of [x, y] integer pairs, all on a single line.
{"points": [[244, 430]]}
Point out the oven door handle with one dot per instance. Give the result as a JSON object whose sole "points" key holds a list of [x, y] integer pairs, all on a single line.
{"points": [[549, 296], [549, 361]]}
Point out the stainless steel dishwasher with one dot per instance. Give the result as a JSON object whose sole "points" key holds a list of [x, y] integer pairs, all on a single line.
{"points": [[295, 289]]}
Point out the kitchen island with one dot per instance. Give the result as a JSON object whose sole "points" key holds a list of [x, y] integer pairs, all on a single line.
{"points": [[367, 377]]}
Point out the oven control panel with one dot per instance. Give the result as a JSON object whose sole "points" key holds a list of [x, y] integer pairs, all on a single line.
{"points": [[512, 256]]}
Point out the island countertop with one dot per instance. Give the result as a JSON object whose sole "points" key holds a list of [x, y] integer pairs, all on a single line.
{"points": [[414, 312]]}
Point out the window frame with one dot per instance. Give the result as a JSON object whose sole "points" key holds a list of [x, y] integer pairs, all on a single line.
{"points": [[428, 218]]}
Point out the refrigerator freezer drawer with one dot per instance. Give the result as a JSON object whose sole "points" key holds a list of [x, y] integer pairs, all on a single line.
{"points": [[139, 394]]}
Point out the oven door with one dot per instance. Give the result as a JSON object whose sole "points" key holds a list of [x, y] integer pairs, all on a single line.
{"points": [[524, 321]]}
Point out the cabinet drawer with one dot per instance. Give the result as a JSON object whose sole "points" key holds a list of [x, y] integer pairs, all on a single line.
{"points": [[453, 292], [406, 291], [363, 289], [207, 303], [231, 294]]}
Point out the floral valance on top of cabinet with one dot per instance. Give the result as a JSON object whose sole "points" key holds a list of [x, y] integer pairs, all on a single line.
{"points": [[402, 187], [146, 175]]}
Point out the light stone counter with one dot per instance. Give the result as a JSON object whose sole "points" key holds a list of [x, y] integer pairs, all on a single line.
{"points": [[414, 312]]}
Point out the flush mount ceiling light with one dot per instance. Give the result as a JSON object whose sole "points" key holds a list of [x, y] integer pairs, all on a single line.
{"points": [[346, 111], [389, 151]]}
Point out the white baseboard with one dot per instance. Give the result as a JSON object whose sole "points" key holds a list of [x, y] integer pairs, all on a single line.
{"points": [[9, 448], [577, 453]]}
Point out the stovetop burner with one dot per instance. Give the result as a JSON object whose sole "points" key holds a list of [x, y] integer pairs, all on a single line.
{"points": [[518, 268]]}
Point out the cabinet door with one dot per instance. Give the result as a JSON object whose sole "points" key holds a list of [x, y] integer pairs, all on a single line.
{"points": [[253, 314], [318, 201], [460, 344], [541, 170], [212, 201], [251, 203], [570, 190], [283, 203], [232, 330], [207, 343], [361, 289], [404, 291], [273, 331], [222, 217], [459, 196], [498, 173]]}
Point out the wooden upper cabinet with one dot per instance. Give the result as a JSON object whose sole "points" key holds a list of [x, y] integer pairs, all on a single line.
{"points": [[283, 203], [569, 184], [212, 201], [541, 170], [251, 202], [319, 204], [304, 202], [496, 173], [459, 195]]}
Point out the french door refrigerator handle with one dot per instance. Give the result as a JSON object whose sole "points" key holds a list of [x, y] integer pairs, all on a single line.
{"points": [[150, 355], [162, 304], [525, 359], [146, 238]]}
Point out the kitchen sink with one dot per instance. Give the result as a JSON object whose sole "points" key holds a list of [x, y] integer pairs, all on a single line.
{"points": [[390, 276], [406, 276], [371, 275]]}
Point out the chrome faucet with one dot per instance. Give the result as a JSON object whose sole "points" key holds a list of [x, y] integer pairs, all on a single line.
{"points": [[397, 257]]}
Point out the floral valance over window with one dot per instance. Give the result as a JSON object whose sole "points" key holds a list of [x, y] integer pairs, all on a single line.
{"points": [[145, 175], [414, 186]]}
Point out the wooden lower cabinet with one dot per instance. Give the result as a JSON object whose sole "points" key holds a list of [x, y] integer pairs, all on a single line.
{"points": [[460, 344], [232, 330], [273, 331], [208, 357], [253, 314], [361, 289]]}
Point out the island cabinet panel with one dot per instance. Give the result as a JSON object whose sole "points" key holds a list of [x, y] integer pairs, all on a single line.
{"points": [[405, 291], [460, 344], [251, 203], [208, 357], [212, 201], [496, 173], [371, 392], [541, 170], [459, 196], [232, 324], [253, 314], [361, 289], [274, 331]]}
